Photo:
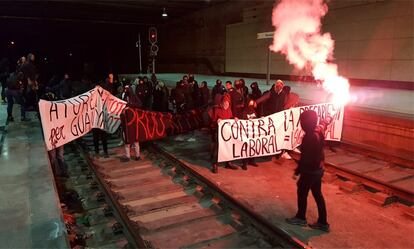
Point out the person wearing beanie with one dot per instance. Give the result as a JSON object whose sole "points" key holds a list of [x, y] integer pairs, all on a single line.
{"points": [[310, 170]]}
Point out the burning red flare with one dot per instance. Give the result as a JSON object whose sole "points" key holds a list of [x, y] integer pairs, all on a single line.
{"points": [[298, 36]]}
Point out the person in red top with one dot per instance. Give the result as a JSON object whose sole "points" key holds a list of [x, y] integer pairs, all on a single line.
{"points": [[222, 111]]}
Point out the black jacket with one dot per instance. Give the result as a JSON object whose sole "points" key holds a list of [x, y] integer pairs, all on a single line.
{"points": [[217, 89], [238, 102], [143, 93], [312, 155]]}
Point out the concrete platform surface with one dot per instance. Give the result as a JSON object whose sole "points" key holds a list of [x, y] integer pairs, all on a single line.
{"points": [[30, 215], [270, 190]]}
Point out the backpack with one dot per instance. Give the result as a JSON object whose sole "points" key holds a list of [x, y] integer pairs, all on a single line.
{"points": [[13, 81]]}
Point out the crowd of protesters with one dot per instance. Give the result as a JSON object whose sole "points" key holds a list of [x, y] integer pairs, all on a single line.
{"points": [[20, 85], [234, 100]]}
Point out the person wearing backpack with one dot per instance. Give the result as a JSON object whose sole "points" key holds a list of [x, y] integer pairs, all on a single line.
{"points": [[14, 94]]}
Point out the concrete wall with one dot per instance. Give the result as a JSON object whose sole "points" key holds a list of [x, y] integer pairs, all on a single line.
{"points": [[196, 42], [392, 136], [374, 40]]}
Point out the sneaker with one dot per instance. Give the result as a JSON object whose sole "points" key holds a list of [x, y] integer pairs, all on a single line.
{"points": [[286, 156], [244, 166], [319, 226], [125, 159], [137, 158], [296, 221], [10, 119]]}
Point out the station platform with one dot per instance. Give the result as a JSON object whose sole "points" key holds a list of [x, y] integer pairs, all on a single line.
{"points": [[393, 102], [30, 212], [270, 191]]}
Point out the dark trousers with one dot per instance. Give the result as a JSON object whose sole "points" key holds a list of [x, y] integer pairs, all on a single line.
{"points": [[99, 134], [311, 182], [214, 147], [15, 96]]}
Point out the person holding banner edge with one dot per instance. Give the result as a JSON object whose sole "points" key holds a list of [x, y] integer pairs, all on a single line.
{"points": [[99, 134], [310, 170], [222, 111]]}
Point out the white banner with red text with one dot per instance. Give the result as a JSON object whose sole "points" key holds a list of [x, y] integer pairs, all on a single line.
{"points": [[271, 134], [69, 119]]}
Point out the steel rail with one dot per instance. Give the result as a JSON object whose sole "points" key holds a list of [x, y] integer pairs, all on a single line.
{"points": [[372, 182], [367, 181], [257, 220], [120, 211]]}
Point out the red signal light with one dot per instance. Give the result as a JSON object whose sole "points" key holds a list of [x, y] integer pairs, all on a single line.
{"points": [[152, 35]]}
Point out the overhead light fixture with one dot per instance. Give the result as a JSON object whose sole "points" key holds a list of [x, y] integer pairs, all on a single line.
{"points": [[164, 13]]}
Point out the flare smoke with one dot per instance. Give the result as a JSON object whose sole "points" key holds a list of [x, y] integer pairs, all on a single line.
{"points": [[298, 36]]}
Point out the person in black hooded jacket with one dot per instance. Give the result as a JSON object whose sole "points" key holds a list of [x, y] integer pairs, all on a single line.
{"points": [[310, 169], [130, 133]]}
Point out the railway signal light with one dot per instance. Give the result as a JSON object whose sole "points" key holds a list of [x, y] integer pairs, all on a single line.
{"points": [[153, 50], [153, 35]]}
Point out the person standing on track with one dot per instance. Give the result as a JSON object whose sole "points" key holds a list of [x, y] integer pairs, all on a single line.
{"points": [[310, 170], [130, 133]]}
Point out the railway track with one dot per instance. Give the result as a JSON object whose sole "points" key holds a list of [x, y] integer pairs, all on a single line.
{"points": [[164, 204], [160, 202], [366, 170], [389, 178], [97, 223]]}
